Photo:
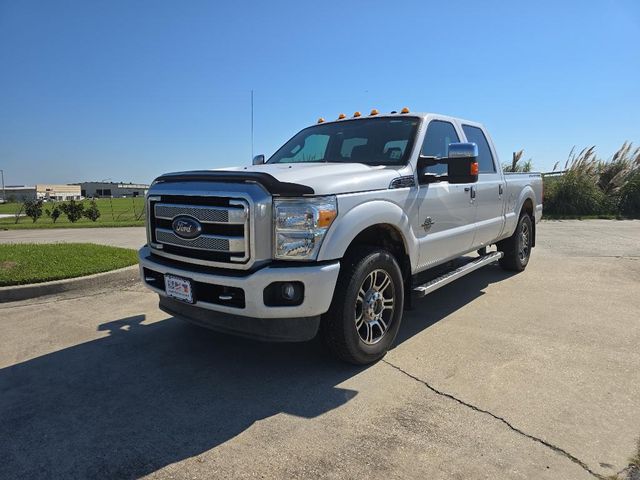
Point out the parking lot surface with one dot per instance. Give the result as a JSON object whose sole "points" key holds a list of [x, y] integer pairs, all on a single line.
{"points": [[535, 375]]}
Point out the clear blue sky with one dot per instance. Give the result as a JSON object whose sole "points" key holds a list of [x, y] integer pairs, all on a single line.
{"points": [[130, 89]]}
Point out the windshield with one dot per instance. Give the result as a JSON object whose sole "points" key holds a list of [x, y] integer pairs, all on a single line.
{"points": [[372, 141]]}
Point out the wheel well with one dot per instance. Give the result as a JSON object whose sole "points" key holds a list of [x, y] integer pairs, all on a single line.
{"points": [[527, 208], [387, 237]]}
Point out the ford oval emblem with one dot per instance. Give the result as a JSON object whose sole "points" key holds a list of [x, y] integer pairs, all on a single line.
{"points": [[186, 227]]}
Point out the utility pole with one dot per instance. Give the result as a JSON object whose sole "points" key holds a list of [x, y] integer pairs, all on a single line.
{"points": [[252, 125], [4, 196]]}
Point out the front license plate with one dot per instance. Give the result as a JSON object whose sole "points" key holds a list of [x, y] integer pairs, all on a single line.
{"points": [[178, 287]]}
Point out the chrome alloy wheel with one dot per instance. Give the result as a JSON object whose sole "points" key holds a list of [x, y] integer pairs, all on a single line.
{"points": [[374, 307], [523, 250]]}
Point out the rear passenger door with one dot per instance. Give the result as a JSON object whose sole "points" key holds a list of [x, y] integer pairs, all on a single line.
{"points": [[444, 226], [489, 190]]}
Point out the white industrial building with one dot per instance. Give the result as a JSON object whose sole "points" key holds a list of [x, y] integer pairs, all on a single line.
{"points": [[113, 189], [41, 191]]}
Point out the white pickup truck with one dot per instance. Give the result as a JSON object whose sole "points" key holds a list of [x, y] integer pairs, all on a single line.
{"points": [[336, 231]]}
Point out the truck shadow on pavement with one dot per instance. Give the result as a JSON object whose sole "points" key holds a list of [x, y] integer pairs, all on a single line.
{"points": [[149, 395]]}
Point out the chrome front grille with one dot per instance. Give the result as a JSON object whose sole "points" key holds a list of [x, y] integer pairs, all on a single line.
{"points": [[225, 229], [203, 242], [202, 213]]}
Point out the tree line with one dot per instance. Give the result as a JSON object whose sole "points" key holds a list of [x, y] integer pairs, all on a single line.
{"points": [[73, 210]]}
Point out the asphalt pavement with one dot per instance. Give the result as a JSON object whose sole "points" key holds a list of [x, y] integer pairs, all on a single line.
{"points": [[534, 375]]}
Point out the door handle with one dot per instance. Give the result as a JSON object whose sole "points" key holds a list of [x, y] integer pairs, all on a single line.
{"points": [[472, 190], [500, 189]]}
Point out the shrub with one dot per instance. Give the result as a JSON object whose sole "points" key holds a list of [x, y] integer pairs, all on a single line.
{"points": [[573, 194], [18, 213], [73, 210], [33, 209], [92, 212], [590, 186], [516, 166], [630, 197], [55, 213], [576, 192]]}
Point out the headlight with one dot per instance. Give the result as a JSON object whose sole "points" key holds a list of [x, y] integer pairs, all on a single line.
{"points": [[300, 226]]}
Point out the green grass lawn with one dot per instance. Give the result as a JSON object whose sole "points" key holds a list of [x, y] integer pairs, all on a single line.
{"points": [[114, 212], [35, 263]]}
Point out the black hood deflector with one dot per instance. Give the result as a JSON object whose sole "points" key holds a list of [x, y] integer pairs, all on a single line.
{"points": [[269, 182]]}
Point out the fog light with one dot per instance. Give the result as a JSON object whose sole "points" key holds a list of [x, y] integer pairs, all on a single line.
{"points": [[288, 291], [284, 294]]}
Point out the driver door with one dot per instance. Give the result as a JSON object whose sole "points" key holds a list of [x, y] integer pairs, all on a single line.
{"points": [[445, 224]]}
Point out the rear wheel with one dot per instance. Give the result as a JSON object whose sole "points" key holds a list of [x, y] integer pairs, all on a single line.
{"points": [[517, 248], [367, 305]]}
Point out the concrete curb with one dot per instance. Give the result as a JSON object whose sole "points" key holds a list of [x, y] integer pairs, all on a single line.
{"points": [[24, 292]]}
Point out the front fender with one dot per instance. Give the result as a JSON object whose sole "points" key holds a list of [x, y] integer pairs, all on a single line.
{"points": [[376, 212]]}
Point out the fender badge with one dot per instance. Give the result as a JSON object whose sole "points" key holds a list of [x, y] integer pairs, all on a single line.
{"points": [[428, 223]]}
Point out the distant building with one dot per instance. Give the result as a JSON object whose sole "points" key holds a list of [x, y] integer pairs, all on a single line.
{"points": [[42, 191], [113, 189], [19, 193]]}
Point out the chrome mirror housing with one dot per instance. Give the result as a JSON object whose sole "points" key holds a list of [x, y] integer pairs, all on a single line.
{"points": [[463, 150]]}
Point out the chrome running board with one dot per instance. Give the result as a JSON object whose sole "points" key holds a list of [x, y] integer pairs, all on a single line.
{"points": [[449, 277]]}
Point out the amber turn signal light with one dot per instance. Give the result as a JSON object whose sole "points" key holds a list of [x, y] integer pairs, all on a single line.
{"points": [[325, 217]]}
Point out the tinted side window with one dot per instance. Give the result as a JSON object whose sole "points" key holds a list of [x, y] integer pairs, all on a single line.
{"points": [[485, 159], [436, 143]]}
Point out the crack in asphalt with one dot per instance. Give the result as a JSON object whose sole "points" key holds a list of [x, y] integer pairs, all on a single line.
{"points": [[623, 471], [512, 427]]}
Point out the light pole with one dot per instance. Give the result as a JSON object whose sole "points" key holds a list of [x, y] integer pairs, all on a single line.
{"points": [[4, 197]]}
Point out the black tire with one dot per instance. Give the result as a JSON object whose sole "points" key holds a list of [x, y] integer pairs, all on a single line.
{"points": [[517, 248], [339, 327]]}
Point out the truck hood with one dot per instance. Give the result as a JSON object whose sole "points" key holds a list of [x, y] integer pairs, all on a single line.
{"points": [[327, 178]]}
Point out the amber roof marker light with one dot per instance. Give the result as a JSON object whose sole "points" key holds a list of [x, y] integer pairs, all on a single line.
{"points": [[374, 112], [357, 114], [341, 116], [405, 110], [321, 120]]}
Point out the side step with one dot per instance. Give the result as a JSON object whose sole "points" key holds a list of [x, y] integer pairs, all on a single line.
{"points": [[449, 277]]}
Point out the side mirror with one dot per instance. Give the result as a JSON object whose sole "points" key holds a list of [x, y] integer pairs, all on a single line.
{"points": [[462, 163], [424, 176], [258, 160]]}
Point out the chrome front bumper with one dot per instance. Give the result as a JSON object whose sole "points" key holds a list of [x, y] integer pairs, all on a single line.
{"points": [[319, 283]]}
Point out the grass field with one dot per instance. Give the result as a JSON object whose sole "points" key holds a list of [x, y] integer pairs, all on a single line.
{"points": [[31, 263], [114, 212]]}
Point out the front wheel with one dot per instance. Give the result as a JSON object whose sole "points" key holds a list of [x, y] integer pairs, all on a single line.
{"points": [[366, 309], [517, 248]]}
